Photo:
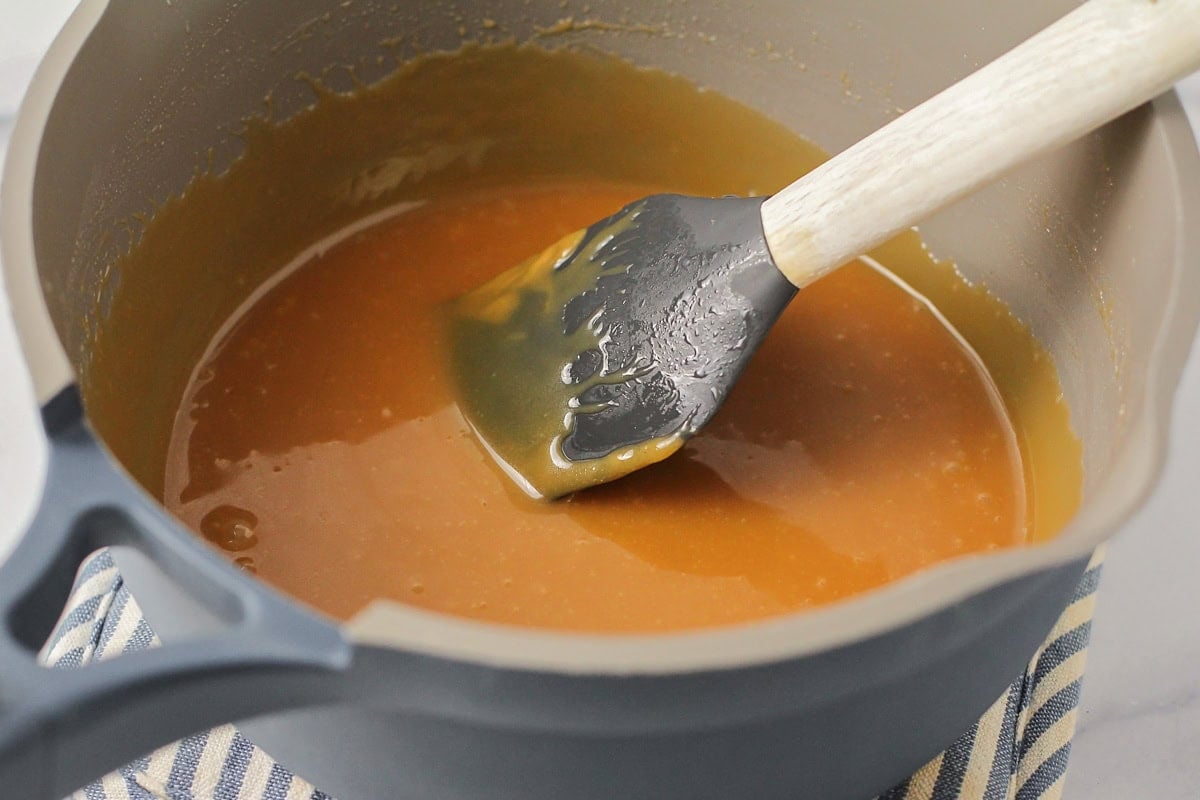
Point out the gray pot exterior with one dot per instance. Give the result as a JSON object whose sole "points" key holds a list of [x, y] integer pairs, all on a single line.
{"points": [[842, 725], [844, 720]]}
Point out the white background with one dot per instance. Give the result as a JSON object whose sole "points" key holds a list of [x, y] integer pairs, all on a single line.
{"points": [[1139, 731]]}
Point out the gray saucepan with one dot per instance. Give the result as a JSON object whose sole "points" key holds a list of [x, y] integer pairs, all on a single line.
{"points": [[1095, 246]]}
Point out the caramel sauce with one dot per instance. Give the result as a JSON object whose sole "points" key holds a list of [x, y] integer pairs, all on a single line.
{"points": [[317, 431], [864, 442]]}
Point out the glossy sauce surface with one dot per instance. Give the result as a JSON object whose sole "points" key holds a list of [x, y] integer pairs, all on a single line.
{"points": [[864, 442]]}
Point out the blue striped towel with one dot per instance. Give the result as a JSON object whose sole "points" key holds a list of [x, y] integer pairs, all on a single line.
{"points": [[1017, 751]]}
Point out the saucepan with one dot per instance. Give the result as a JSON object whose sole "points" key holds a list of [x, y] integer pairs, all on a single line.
{"points": [[1095, 246]]}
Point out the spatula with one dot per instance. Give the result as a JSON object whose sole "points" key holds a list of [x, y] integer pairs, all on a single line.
{"points": [[607, 351]]}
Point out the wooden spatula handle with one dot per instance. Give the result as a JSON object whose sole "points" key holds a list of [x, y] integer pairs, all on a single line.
{"points": [[1093, 65]]}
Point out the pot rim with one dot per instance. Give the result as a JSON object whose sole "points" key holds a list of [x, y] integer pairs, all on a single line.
{"points": [[391, 625]]}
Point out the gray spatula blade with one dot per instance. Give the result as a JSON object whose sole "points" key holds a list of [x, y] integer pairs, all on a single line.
{"points": [[645, 324]]}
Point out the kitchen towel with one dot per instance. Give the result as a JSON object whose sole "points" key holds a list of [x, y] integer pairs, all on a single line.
{"points": [[1018, 750]]}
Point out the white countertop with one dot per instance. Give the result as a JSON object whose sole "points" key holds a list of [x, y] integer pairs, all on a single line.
{"points": [[1139, 730]]}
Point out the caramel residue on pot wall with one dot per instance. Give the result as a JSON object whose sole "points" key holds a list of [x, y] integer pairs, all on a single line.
{"points": [[573, 25]]}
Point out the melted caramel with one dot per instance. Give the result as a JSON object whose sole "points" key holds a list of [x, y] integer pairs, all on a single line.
{"points": [[318, 442], [863, 443]]}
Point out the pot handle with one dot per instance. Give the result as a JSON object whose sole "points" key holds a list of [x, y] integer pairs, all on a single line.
{"points": [[60, 728]]}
